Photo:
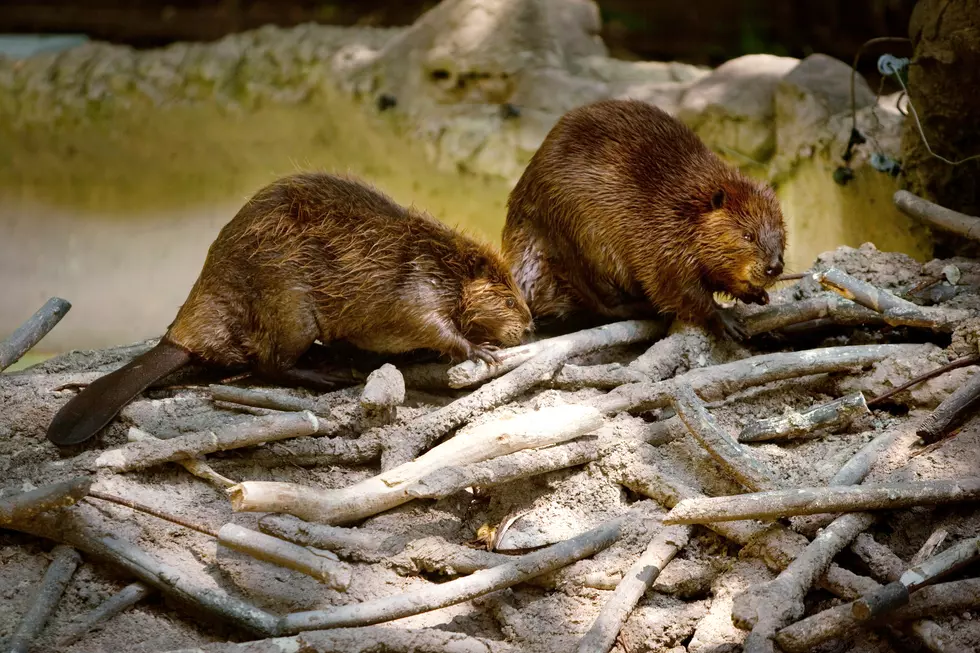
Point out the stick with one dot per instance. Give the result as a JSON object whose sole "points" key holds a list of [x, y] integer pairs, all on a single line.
{"points": [[953, 410], [733, 457], [839, 622], [965, 361], [540, 428], [796, 425], [351, 543], [195, 466], [325, 569], [368, 639], [825, 310], [319, 451], [930, 546], [895, 310], [25, 505], [661, 550], [147, 453], [433, 597], [423, 432], [89, 533], [815, 500], [881, 560], [262, 398], [383, 391], [605, 377], [504, 469], [30, 332], [115, 604], [858, 466], [56, 578], [937, 216]]}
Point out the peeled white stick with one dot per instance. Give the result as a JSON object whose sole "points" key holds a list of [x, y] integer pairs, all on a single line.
{"points": [[636, 581], [499, 437]]}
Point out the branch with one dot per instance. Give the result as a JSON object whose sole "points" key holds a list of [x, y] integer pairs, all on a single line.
{"points": [[937, 216], [423, 432], [636, 581], [835, 414], [195, 466], [25, 505], [606, 377], [540, 428], [32, 331], [733, 457], [433, 597], [815, 500], [840, 623], [383, 391], [325, 568], [115, 604], [351, 543], [961, 403], [826, 309], [53, 585], [319, 451]]}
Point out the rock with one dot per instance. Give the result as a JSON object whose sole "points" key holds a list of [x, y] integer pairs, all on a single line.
{"points": [[732, 108]]}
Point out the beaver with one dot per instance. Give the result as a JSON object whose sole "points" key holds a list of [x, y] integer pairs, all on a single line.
{"points": [[623, 212], [314, 256]]}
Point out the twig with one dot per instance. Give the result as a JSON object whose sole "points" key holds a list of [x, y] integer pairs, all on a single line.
{"points": [[147, 453], [350, 543], [540, 428], [895, 310], [965, 361], [816, 500], [336, 575], [384, 390], [56, 579], [406, 443], [156, 512], [115, 604], [930, 546], [195, 466], [363, 640], [733, 457], [953, 410], [456, 591], [272, 399], [30, 332], [637, 580], [504, 469], [937, 216], [88, 533], [25, 505], [839, 622], [795, 425]]}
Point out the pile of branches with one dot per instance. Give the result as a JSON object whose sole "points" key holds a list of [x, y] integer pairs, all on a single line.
{"points": [[797, 531]]}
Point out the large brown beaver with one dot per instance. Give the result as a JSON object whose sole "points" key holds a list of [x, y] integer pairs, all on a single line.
{"points": [[320, 257], [624, 212]]}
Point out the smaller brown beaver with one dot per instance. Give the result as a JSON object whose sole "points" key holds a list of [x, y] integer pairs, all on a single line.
{"points": [[313, 257], [624, 212]]}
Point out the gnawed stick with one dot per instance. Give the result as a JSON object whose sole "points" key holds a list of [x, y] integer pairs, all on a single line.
{"points": [[937, 216], [471, 372], [895, 310], [147, 453], [839, 622], [312, 452], [815, 500], [24, 505], [362, 640], [825, 309], [795, 425], [53, 584], [540, 428], [32, 331], [196, 466], [350, 543], [504, 469], [965, 361], [456, 591], [954, 409], [406, 443], [90, 533], [733, 457], [115, 604], [325, 568], [636, 581], [384, 391]]}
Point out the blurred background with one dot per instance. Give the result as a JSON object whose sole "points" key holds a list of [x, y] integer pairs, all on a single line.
{"points": [[119, 161]]}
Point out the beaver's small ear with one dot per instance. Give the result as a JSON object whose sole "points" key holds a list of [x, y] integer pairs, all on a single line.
{"points": [[718, 199], [479, 266]]}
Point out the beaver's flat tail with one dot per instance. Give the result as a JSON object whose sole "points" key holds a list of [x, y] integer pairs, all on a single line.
{"points": [[95, 406]]}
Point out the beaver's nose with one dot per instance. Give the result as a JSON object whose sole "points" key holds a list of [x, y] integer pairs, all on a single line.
{"points": [[775, 267]]}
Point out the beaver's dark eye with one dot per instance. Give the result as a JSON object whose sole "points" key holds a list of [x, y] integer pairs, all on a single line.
{"points": [[511, 303], [747, 237]]}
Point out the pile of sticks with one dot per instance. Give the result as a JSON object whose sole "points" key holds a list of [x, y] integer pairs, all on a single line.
{"points": [[797, 531]]}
